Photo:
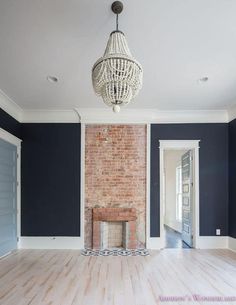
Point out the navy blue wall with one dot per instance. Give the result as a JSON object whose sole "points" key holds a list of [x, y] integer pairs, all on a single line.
{"points": [[9, 123], [51, 175], [232, 179], [50, 180], [213, 171]]}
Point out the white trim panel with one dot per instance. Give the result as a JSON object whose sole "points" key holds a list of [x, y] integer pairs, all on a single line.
{"points": [[232, 243], [155, 243], [49, 242], [212, 242]]}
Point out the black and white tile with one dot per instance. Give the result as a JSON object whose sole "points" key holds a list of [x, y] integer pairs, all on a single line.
{"points": [[115, 252]]}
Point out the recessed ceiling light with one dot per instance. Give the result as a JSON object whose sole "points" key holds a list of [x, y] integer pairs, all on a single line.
{"points": [[52, 79], [203, 79]]}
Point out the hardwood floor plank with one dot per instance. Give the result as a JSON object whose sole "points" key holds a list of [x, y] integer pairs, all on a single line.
{"points": [[65, 277]]}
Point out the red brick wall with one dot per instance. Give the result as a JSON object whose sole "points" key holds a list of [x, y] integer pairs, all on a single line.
{"points": [[115, 172]]}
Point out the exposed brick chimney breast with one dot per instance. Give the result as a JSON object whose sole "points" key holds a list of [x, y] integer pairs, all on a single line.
{"points": [[115, 173]]}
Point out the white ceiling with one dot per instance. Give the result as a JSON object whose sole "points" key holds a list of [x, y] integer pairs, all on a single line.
{"points": [[177, 42]]}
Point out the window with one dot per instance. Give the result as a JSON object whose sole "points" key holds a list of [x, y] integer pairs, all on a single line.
{"points": [[179, 193]]}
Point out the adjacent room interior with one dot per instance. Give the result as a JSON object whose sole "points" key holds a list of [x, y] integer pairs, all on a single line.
{"points": [[117, 152], [173, 196]]}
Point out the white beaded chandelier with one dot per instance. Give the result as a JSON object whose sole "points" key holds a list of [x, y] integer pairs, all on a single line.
{"points": [[117, 76]]}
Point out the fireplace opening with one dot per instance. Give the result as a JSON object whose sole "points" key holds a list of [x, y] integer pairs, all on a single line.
{"points": [[114, 234]]}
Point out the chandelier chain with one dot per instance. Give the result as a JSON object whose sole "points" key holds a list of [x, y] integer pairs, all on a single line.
{"points": [[117, 22]]}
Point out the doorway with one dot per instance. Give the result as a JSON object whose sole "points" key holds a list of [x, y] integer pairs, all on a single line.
{"points": [[179, 193], [175, 224]]}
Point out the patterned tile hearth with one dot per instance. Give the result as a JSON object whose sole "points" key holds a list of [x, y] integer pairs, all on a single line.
{"points": [[115, 252]]}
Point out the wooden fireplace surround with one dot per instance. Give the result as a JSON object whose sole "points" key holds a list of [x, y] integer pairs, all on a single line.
{"points": [[114, 214]]}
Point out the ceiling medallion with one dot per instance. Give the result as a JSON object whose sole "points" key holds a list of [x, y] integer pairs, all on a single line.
{"points": [[117, 76]]}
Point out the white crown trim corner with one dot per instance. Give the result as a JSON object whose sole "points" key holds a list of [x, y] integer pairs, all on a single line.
{"points": [[49, 242], [9, 106], [50, 116], [232, 243], [231, 113]]}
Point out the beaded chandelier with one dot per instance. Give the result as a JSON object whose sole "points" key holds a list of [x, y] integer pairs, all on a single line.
{"points": [[117, 76]]}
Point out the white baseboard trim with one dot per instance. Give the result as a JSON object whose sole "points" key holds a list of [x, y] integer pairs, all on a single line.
{"points": [[155, 243], [49, 242], [203, 242], [232, 243], [212, 242]]}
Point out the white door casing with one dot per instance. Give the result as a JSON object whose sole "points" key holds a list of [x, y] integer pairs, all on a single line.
{"points": [[177, 145]]}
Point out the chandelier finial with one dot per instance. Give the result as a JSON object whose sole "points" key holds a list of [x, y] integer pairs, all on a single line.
{"points": [[117, 7]]}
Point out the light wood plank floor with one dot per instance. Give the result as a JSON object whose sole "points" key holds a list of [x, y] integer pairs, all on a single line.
{"points": [[59, 277]]}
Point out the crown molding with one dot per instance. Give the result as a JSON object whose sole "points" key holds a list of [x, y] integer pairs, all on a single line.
{"points": [[231, 113], [9, 106], [93, 115], [105, 115], [50, 116], [137, 116]]}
